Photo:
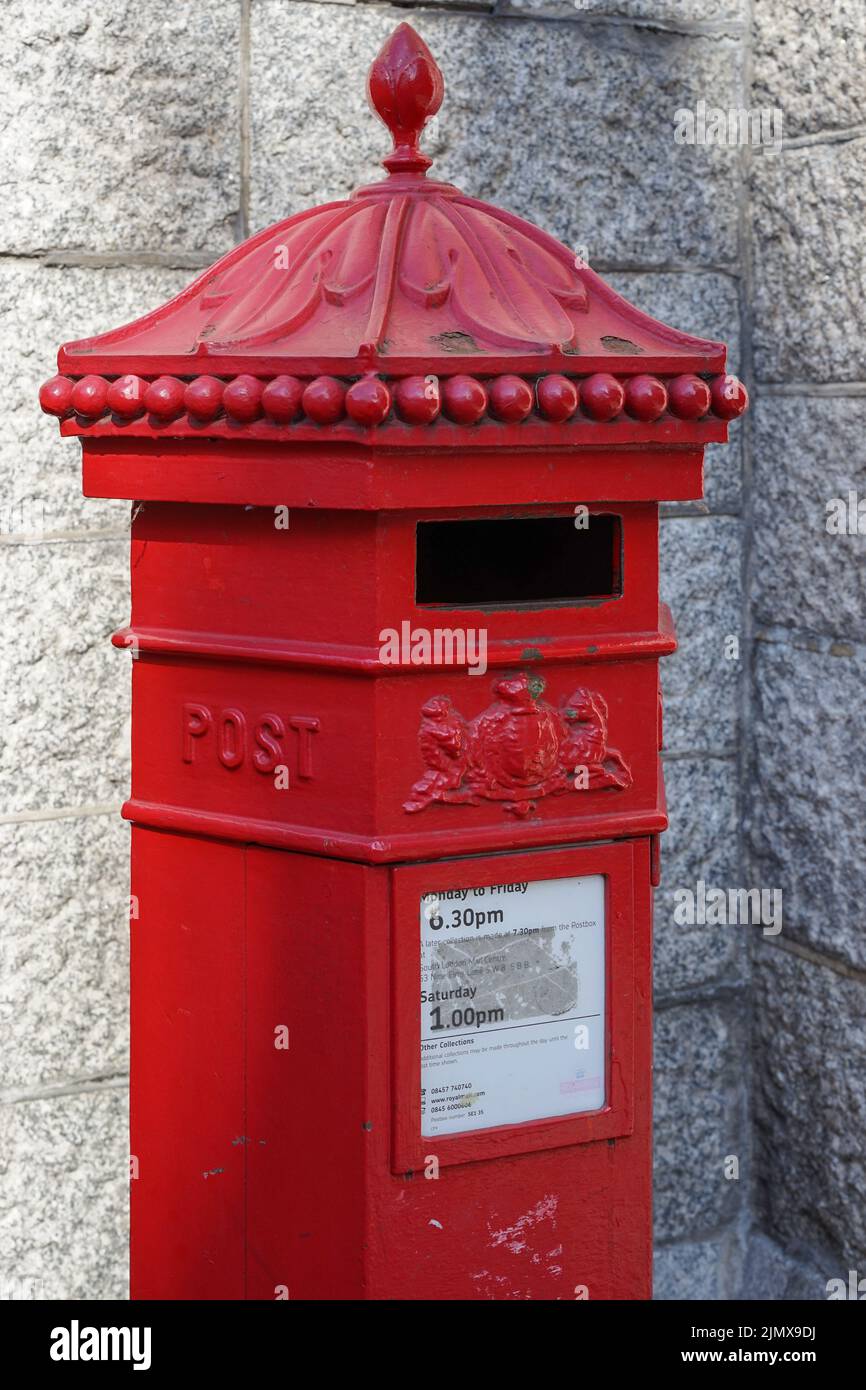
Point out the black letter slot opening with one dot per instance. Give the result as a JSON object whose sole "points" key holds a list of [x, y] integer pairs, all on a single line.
{"points": [[518, 561]]}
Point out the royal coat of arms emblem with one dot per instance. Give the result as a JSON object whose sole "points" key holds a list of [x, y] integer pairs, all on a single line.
{"points": [[517, 750]]}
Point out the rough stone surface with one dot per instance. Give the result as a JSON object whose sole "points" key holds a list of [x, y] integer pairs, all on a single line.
{"points": [[687, 1272], [810, 1106], [702, 12], [701, 843], [65, 694], [700, 579], [699, 1119], [807, 452], [120, 125], [41, 307], [772, 1274], [808, 211], [706, 305], [568, 125], [808, 803], [65, 909], [63, 1194], [481, 6], [809, 58]]}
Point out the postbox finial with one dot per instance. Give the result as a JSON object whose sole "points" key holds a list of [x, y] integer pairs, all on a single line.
{"points": [[405, 89]]}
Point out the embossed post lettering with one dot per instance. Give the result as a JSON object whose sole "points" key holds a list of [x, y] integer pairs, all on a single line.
{"points": [[196, 722], [269, 753], [305, 728], [232, 742], [232, 737]]}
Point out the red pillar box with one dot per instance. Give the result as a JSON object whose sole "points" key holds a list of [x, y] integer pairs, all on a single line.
{"points": [[396, 724]]}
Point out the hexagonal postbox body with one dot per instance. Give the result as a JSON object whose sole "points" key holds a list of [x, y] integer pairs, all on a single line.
{"points": [[396, 726]]}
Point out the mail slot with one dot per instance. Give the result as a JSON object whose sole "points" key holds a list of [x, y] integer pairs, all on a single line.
{"points": [[514, 561], [396, 787]]}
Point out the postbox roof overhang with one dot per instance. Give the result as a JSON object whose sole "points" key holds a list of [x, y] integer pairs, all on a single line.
{"points": [[405, 277], [407, 316]]}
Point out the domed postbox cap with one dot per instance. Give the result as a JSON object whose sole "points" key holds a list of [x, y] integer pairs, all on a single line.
{"points": [[408, 310]]}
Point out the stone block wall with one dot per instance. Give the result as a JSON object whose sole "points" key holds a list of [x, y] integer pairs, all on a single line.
{"points": [[807, 804], [143, 141]]}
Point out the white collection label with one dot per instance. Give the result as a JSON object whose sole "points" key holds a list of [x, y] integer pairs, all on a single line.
{"points": [[512, 1003]]}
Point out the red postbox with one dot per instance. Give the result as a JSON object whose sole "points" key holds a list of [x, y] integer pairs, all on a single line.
{"points": [[396, 725]]}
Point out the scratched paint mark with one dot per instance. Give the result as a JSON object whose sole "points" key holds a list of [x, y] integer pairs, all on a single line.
{"points": [[455, 342], [513, 1237], [625, 345], [521, 1240], [212, 1172], [496, 1287], [437, 1224]]}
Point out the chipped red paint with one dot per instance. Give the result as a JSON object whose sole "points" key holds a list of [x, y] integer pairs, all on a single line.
{"points": [[408, 356]]}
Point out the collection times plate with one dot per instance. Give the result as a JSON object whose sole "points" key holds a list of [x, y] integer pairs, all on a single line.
{"points": [[512, 1003]]}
